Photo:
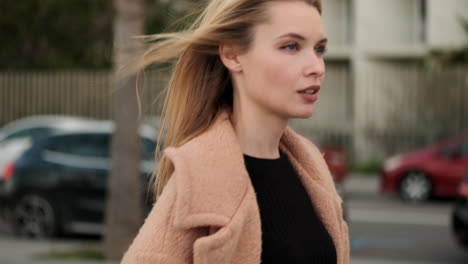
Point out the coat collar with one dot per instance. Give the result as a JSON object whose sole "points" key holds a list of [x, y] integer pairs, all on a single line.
{"points": [[210, 176], [212, 180]]}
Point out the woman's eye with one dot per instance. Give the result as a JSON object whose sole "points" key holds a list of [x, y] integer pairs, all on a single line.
{"points": [[321, 49], [291, 47]]}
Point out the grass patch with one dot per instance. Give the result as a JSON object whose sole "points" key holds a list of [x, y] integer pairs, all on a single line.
{"points": [[74, 254], [368, 168]]}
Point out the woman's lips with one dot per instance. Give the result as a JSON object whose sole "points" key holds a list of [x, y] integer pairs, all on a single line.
{"points": [[309, 97], [310, 94], [316, 88]]}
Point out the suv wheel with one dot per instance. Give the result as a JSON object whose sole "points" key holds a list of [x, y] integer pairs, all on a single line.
{"points": [[34, 216]]}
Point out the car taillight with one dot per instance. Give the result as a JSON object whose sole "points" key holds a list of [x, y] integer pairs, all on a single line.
{"points": [[8, 171], [463, 189], [337, 158]]}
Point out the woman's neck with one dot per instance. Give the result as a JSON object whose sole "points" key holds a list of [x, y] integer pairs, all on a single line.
{"points": [[259, 133]]}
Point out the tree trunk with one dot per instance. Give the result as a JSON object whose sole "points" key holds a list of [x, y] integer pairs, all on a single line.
{"points": [[124, 213]]}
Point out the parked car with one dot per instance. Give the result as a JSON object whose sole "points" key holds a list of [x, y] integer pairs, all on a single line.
{"points": [[433, 171], [59, 184], [336, 159], [337, 163], [35, 126], [17, 136], [459, 221]]}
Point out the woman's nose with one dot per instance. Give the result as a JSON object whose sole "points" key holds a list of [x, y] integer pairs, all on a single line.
{"points": [[314, 65]]}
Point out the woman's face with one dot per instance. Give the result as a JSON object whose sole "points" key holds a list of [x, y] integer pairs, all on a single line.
{"points": [[283, 69]]}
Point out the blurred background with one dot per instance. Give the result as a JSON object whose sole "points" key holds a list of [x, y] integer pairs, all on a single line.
{"points": [[77, 144]]}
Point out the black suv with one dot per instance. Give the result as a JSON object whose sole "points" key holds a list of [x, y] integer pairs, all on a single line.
{"points": [[459, 215], [59, 184]]}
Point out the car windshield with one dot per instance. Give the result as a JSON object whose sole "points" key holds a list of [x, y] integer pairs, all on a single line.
{"points": [[464, 147], [33, 133]]}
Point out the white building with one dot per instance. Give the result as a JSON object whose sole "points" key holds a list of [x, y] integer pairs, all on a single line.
{"points": [[383, 36]]}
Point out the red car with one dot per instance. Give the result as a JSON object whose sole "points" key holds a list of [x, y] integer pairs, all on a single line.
{"points": [[433, 171], [336, 161]]}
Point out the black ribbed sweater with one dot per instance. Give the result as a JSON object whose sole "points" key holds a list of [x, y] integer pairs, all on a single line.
{"points": [[292, 232]]}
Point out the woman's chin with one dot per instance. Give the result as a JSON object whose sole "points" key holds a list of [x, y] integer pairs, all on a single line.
{"points": [[300, 116], [305, 116], [305, 113]]}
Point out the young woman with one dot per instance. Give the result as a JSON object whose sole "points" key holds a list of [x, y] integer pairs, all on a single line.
{"points": [[236, 184]]}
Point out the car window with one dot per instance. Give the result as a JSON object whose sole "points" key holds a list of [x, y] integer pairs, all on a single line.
{"points": [[148, 148], [445, 152], [33, 133], [94, 145], [464, 148], [85, 145]]}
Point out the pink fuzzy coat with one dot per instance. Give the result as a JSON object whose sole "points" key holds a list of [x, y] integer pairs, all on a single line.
{"points": [[208, 212]]}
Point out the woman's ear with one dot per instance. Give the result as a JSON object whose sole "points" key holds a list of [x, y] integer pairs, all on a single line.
{"points": [[230, 57]]}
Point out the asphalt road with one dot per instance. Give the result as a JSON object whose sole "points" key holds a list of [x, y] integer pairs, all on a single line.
{"points": [[383, 230]]}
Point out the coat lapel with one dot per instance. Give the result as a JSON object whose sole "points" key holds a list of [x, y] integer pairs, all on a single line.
{"points": [[314, 174]]}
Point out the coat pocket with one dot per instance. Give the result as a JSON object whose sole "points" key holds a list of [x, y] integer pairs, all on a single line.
{"points": [[218, 247]]}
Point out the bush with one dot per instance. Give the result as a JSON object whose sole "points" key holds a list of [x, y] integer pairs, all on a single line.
{"points": [[370, 167]]}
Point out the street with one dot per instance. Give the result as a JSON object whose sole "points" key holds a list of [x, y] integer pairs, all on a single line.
{"points": [[383, 230]]}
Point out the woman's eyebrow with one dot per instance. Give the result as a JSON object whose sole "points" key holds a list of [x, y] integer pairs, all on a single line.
{"points": [[323, 41], [292, 35], [298, 36]]}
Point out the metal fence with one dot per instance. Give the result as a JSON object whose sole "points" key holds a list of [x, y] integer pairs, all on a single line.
{"points": [[69, 93], [78, 93], [396, 108], [403, 108], [332, 120]]}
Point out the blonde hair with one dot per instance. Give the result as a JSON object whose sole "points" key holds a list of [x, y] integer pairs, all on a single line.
{"points": [[200, 85]]}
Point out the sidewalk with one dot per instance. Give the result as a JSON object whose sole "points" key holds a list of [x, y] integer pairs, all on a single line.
{"points": [[24, 251], [363, 184]]}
